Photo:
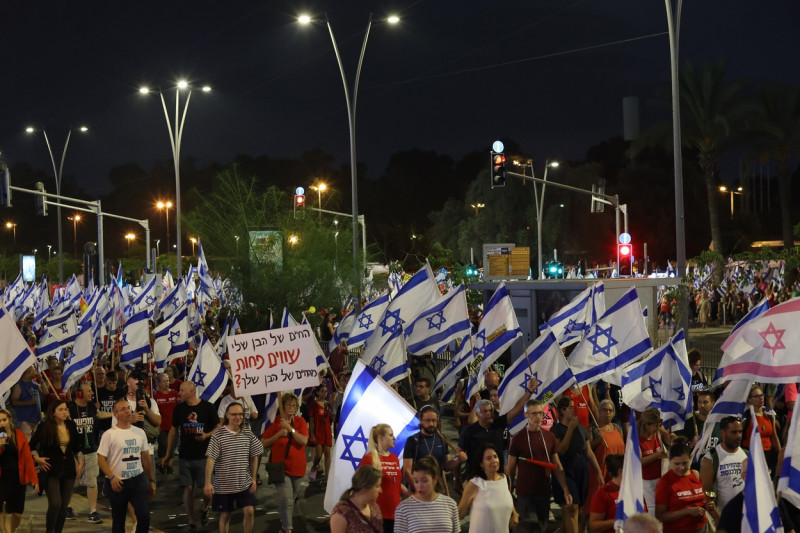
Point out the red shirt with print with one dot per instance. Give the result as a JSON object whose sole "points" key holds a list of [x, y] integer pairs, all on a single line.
{"points": [[679, 492]]}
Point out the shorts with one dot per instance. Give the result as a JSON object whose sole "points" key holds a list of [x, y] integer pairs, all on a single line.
{"points": [[192, 472], [88, 477], [224, 503], [577, 473], [13, 495]]}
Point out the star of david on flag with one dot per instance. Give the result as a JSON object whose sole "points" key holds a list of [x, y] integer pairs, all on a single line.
{"points": [[208, 373], [571, 321], [171, 338], [364, 323], [135, 339], [438, 326], [368, 401]]}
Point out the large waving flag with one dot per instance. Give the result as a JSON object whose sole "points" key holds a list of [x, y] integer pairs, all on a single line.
{"points": [[342, 332], [391, 362], [497, 331], [448, 376], [147, 297], [765, 348], [208, 373], [15, 356], [368, 401], [574, 319], [135, 339], [789, 481], [418, 294], [173, 301], [616, 340], [435, 328], [761, 308], [367, 320], [661, 380], [172, 338], [631, 490], [731, 403], [63, 328], [760, 512], [80, 359], [543, 361]]}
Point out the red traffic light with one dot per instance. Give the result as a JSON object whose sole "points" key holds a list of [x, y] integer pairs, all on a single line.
{"points": [[624, 250], [499, 159], [299, 199]]}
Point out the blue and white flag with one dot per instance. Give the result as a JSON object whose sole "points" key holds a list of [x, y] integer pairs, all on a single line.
{"points": [[208, 373], [342, 331], [789, 481], [760, 512], [616, 340], [448, 377], [435, 328], [80, 359], [367, 320], [631, 491], [662, 380], [147, 297], [15, 356], [287, 320], [173, 301], [368, 401], [391, 362], [755, 312], [573, 320], [497, 331], [203, 273], [42, 306], [135, 339], [172, 338], [63, 328], [543, 361], [731, 403], [418, 294]]}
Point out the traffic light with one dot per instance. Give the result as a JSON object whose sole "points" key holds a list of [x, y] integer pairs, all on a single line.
{"points": [[41, 201], [471, 271], [554, 270], [625, 254], [299, 201], [5, 185], [498, 169]]}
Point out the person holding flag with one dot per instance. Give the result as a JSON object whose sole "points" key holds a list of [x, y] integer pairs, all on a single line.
{"points": [[604, 500]]}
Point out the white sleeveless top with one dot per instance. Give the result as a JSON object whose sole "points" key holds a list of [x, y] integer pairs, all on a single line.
{"points": [[492, 507]]}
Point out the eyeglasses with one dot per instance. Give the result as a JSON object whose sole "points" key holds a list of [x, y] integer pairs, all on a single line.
{"points": [[235, 414], [534, 413], [756, 395]]}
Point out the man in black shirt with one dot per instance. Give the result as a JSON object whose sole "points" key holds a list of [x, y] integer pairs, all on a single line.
{"points": [[107, 395], [196, 419], [428, 442]]}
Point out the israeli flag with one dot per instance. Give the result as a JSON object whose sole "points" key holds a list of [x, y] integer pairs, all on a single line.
{"points": [[173, 301], [80, 359], [172, 338], [287, 320], [63, 328], [368, 401], [42, 307], [391, 362], [135, 339], [147, 297], [574, 319], [418, 294], [755, 312], [448, 377], [760, 512], [731, 403], [15, 355], [789, 481], [497, 331], [543, 361], [435, 328], [630, 500], [342, 332], [206, 282], [662, 380], [367, 320], [208, 373], [616, 340]]}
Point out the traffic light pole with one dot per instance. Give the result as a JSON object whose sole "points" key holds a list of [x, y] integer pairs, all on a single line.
{"points": [[361, 221]]}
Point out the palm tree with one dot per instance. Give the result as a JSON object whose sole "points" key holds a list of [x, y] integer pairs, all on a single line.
{"points": [[777, 124]]}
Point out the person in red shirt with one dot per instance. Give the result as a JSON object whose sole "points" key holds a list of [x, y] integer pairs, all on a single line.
{"points": [[167, 399], [289, 431], [603, 509], [381, 440], [681, 504], [653, 453], [583, 403], [321, 431], [767, 428]]}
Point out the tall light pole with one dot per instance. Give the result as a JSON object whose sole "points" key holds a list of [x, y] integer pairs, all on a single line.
{"points": [[166, 207], [75, 219], [193, 240], [175, 137], [351, 100], [49, 252], [320, 188], [58, 173], [130, 237], [13, 227], [724, 189], [539, 197], [476, 207]]}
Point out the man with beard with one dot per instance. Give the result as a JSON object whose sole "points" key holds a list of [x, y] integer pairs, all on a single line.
{"points": [[428, 442], [693, 429], [721, 468]]}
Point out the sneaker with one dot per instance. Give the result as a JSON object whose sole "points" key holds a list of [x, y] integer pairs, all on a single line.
{"points": [[94, 518], [70, 514], [204, 516]]}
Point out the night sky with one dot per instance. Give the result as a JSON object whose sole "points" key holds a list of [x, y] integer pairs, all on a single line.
{"points": [[451, 77]]}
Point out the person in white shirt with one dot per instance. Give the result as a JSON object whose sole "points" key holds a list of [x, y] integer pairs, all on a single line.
{"points": [[721, 468]]}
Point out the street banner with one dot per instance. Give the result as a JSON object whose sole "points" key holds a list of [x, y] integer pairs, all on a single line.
{"points": [[273, 360]]}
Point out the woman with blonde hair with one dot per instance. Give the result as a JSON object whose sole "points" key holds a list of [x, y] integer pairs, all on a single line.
{"points": [[357, 510], [16, 471], [381, 440]]}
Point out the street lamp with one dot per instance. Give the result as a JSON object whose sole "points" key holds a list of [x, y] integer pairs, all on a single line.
{"points": [[49, 248], [293, 239], [351, 101], [58, 173], [166, 207], [129, 237], [476, 207], [13, 227], [320, 189], [75, 219], [193, 240], [158, 241], [724, 189], [539, 198], [175, 137]]}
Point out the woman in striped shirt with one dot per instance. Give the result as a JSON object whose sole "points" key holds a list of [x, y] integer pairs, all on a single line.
{"points": [[426, 511]]}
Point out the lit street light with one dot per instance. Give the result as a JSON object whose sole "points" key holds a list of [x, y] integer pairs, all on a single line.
{"points": [[351, 101], [724, 189], [129, 237], [175, 137], [476, 207], [193, 240], [320, 189], [13, 227], [540, 211], [58, 173], [166, 207], [293, 239], [75, 219], [49, 248]]}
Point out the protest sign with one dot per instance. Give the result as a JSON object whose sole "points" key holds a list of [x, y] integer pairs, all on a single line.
{"points": [[274, 360]]}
